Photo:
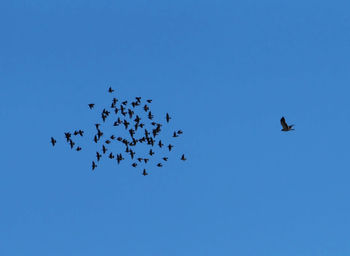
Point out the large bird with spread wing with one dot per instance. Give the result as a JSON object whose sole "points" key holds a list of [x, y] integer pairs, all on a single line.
{"points": [[285, 126]]}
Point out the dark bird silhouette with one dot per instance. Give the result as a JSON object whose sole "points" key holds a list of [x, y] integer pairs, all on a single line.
{"points": [[139, 159], [98, 156], [126, 124], [110, 90], [134, 165], [285, 126], [175, 135], [78, 148], [160, 144], [75, 133], [159, 165], [107, 141], [104, 149], [91, 105], [149, 101], [130, 113], [99, 134], [138, 99], [125, 102], [115, 101], [68, 135], [115, 123], [112, 137], [141, 125], [170, 147], [165, 158], [145, 160], [53, 141], [97, 126], [144, 173], [119, 139], [137, 119], [167, 118], [116, 110], [151, 152], [150, 116], [95, 139], [93, 165], [111, 156], [145, 108], [132, 153], [81, 133], [71, 143], [179, 132], [183, 157]]}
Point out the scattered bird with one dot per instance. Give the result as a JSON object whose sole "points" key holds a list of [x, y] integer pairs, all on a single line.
{"points": [[183, 157], [110, 90], [98, 156], [91, 105], [93, 165], [159, 165], [165, 158], [104, 149], [151, 152], [170, 147], [175, 135], [149, 101], [111, 156], [167, 118], [78, 148], [144, 173], [53, 141], [285, 126], [134, 165]]}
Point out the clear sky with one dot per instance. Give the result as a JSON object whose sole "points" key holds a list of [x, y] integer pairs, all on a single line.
{"points": [[226, 71]]}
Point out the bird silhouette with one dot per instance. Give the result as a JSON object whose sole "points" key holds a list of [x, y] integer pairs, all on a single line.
{"points": [[71, 143], [149, 101], [104, 149], [78, 148], [160, 144], [144, 173], [111, 156], [53, 141], [285, 126], [183, 157], [159, 165], [165, 158], [67, 135], [98, 156], [93, 165], [110, 90], [167, 117], [145, 108], [134, 165], [151, 152], [91, 105], [179, 132], [170, 147], [175, 135]]}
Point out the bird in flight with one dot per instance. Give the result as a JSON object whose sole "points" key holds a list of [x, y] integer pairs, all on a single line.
{"points": [[144, 173], [91, 105], [53, 141], [183, 157], [78, 148], [93, 165], [167, 118], [285, 126], [110, 90]]}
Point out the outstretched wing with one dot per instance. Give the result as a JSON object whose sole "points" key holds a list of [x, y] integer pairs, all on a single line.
{"points": [[283, 123]]}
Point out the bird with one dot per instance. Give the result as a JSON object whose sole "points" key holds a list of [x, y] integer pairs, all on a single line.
{"points": [[68, 135], [151, 152], [71, 143], [159, 165], [165, 158], [107, 141], [139, 159], [91, 105], [175, 135], [78, 148], [145, 160], [144, 173], [179, 132], [183, 157], [98, 156], [285, 126], [160, 144], [170, 147], [167, 118], [93, 165], [112, 137], [150, 116], [149, 101], [111, 156], [145, 108], [104, 149], [138, 99], [134, 165], [53, 141], [97, 126], [95, 139], [110, 90], [125, 102]]}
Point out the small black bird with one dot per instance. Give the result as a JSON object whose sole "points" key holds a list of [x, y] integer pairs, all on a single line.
{"points": [[159, 165], [71, 143], [130, 113], [104, 149], [134, 165], [116, 110], [97, 126], [110, 90], [125, 102], [145, 108], [183, 157], [160, 144], [165, 158], [285, 126], [151, 152], [175, 135], [99, 134], [111, 156], [167, 118], [78, 148], [126, 124], [93, 165], [138, 99], [95, 139], [144, 173], [68, 135], [150, 116], [107, 141], [112, 137], [179, 132], [132, 153], [98, 156], [149, 101], [91, 105], [53, 141], [139, 159], [115, 101], [145, 160], [170, 147]]}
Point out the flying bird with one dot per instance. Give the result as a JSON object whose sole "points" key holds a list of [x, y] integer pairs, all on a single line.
{"points": [[78, 148], [167, 118], [93, 165], [53, 141], [91, 105], [183, 157], [285, 126], [98, 156], [144, 173], [170, 147], [110, 90]]}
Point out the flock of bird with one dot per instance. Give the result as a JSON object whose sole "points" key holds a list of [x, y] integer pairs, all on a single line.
{"points": [[134, 124]]}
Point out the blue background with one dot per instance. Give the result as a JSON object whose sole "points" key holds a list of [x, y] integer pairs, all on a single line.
{"points": [[226, 71]]}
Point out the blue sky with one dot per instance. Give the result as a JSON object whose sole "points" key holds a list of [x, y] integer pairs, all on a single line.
{"points": [[226, 71]]}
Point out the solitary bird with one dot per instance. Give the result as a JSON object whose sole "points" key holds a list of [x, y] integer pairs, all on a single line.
{"points": [[78, 148], [159, 165], [53, 141], [91, 105], [167, 118], [110, 90], [183, 157], [285, 126]]}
